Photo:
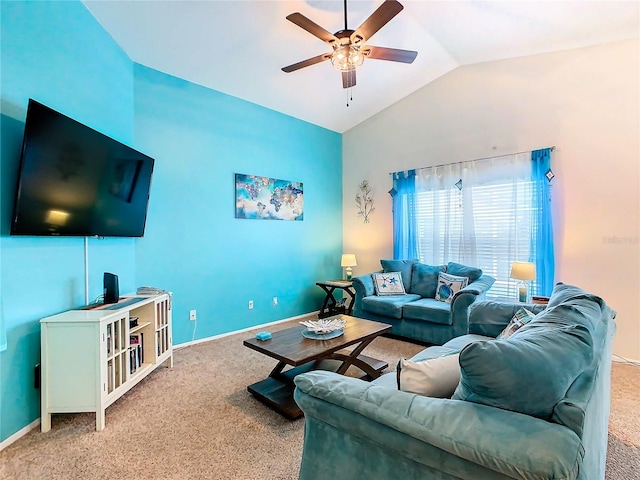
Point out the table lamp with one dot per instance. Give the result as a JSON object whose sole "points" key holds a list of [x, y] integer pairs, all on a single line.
{"points": [[348, 260], [525, 272]]}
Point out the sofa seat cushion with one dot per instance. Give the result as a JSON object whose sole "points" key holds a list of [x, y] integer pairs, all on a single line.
{"points": [[428, 310], [389, 305]]}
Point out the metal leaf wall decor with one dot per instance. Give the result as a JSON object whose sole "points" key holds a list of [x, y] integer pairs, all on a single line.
{"points": [[364, 201]]}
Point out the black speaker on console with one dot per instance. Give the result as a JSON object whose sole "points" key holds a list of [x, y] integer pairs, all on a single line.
{"points": [[111, 290]]}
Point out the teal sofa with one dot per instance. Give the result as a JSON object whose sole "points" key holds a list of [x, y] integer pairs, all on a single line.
{"points": [[532, 406], [417, 315]]}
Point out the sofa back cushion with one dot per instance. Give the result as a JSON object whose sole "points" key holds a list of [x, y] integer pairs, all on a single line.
{"points": [[571, 411], [531, 371], [424, 279], [402, 266], [459, 270], [489, 317]]}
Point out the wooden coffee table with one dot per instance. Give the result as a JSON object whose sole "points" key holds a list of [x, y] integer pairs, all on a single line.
{"points": [[289, 347]]}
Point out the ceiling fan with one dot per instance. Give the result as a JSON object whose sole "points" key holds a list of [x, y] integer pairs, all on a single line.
{"points": [[348, 46]]}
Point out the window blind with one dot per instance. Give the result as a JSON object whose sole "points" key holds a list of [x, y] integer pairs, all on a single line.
{"points": [[486, 225]]}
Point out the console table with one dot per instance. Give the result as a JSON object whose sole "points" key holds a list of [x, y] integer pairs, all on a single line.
{"points": [[91, 357], [331, 306]]}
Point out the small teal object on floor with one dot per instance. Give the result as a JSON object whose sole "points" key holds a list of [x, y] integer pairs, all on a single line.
{"points": [[263, 336]]}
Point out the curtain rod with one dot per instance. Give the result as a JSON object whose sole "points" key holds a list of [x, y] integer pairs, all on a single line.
{"points": [[467, 161]]}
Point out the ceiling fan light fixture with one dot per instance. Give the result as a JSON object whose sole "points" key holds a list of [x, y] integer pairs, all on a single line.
{"points": [[347, 57]]}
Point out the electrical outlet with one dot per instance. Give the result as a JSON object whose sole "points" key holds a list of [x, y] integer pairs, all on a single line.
{"points": [[275, 301], [192, 315], [250, 304]]}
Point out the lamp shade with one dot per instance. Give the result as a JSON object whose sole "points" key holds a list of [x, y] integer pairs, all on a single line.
{"points": [[523, 271], [348, 260]]}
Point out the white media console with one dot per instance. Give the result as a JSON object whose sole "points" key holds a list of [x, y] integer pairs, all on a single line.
{"points": [[91, 357]]}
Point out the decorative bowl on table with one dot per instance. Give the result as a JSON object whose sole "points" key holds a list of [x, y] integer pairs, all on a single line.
{"points": [[323, 329]]}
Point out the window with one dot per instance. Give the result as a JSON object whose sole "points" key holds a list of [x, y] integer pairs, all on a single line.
{"points": [[500, 234], [486, 213]]}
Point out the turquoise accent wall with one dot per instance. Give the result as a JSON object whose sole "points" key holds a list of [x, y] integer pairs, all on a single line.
{"points": [[56, 53], [49, 54], [194, 246]]}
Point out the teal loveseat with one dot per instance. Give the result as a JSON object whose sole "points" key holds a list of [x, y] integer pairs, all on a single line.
{"points": [[417, 314], [533, 406]]}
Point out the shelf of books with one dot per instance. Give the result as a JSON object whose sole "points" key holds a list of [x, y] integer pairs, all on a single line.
{"points": [[109, 350]]}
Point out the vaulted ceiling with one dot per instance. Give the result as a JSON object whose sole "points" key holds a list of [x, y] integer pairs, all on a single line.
{"points": [[239, 46]]}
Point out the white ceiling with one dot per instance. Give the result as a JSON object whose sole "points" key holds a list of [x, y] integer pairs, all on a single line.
{"points": [[239, 46]]}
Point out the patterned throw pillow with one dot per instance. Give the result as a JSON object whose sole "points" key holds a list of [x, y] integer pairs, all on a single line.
{"points": [[522, 317], [388, 283], [449, 285]]}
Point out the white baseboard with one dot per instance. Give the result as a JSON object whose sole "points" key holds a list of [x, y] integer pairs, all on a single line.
{"points": [[19, 434], [222, 335], [621, 359]]}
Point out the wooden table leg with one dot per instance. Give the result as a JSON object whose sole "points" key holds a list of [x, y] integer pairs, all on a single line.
{"points": [[353, 359], [329, 303], [275, 373], [352, 301]]}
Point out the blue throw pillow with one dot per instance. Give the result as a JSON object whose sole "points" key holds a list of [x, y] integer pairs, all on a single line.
{"points": [[402, 266], [424, 279], [460, 270], [530, 371]]}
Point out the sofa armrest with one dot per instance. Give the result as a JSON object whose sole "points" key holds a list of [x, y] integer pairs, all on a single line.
{"points": [[480, 286], [464, 298], [489, 317], [515, 445], [363, 285]]}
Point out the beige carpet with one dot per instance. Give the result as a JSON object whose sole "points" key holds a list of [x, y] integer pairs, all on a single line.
{"points": [[197, 421]]}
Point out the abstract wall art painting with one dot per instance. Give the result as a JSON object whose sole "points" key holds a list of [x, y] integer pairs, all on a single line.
{"points": [[268, 198]]}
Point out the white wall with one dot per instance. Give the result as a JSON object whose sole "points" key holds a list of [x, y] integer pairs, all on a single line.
{"points": [[584, 101]]}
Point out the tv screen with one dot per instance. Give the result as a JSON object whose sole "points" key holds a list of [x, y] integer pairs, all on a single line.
{"points": [[76, 181]]}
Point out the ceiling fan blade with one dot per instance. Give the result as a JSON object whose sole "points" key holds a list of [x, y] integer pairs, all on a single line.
{"points": [[391, 54], [312, 27], [377, 20], [306, 63], [349, 79]]}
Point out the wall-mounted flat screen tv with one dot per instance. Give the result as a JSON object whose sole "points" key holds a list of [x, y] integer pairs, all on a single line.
{"points": [[76, 181]]}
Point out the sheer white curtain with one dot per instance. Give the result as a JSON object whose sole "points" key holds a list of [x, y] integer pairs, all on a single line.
{"points": [[476, 213]]}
